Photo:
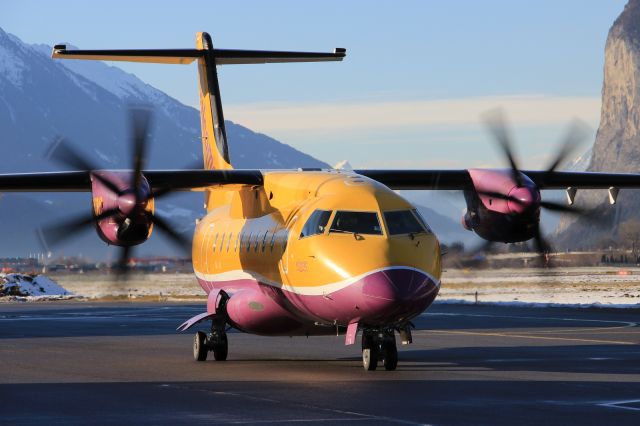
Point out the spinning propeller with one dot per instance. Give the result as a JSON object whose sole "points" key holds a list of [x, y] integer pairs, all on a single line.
{"points": [[131, 204], [497, 126]]}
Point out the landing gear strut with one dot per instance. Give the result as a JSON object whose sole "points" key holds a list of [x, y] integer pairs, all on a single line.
{"points": [[216, 341], [379, 345]]}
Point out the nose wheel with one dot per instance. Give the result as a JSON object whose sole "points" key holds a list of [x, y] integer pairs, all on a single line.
{"points": [[379, 346]]}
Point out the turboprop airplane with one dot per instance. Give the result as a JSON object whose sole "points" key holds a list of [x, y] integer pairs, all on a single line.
{"points": [[300, 252]]}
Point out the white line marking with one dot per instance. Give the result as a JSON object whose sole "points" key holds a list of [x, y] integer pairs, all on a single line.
{"points": [[626, 323], [530, 336], [344, 419], [363, 416], [621, 404]]}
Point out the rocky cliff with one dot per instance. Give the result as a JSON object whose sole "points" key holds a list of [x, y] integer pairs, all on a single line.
{"points": [[617, 145]]}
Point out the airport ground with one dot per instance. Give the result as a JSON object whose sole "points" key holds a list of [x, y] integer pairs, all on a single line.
{"points": [[70, 362]]}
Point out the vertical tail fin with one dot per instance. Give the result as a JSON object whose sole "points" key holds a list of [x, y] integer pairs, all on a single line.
{"points": [[215, 150]]}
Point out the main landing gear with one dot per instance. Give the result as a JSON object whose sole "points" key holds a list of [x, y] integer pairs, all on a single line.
{"points": [[379, 345], [216, 341]]}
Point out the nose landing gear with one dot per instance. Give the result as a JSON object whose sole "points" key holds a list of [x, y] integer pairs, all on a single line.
{"points": [[379, 345]]}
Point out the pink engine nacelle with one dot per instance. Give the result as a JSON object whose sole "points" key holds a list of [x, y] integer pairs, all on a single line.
{"points": [[496, 218], [130, 223]]}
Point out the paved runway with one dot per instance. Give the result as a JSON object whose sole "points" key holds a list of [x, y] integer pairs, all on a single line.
{"points": [[78, 363]]}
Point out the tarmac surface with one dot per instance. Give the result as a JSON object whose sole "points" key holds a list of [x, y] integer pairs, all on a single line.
{"points": [[122, 363]]}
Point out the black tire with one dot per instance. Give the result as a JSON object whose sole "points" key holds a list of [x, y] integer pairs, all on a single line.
{"points": [[200, 349], [370, 353], [221, 348], [390, 354]]}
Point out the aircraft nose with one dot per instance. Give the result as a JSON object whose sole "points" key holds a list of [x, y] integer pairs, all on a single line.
{"points": [[523, 198], [398, 292]]}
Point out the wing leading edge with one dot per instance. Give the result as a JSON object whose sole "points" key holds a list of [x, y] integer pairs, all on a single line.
{"points": [[176, 180], [460, 179]]}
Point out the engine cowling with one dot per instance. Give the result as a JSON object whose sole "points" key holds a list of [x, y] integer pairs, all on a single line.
{"points": [[500, 209], [131, 220]]}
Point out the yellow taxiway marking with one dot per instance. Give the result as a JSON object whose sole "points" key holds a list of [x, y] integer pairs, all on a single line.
{"points": [[523, 336]]}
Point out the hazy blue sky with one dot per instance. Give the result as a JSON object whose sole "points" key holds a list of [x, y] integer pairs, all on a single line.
{"points": [[409, 94]]}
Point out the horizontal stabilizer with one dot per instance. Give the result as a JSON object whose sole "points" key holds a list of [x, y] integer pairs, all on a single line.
{"points": [[186, 56]]}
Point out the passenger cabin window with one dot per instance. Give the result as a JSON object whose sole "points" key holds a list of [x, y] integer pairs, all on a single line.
{"points": [[356, 222], [403, 222], [316, 223]]}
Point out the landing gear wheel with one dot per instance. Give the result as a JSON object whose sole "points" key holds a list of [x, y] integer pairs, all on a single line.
{"points": [[200, 348], [221, 348], [390, 354], [370, 352]]}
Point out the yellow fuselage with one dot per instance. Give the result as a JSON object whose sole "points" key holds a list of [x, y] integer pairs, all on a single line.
{"points": [[253, 234]]}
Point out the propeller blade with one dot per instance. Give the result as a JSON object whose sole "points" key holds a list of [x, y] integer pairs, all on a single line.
{"points": [[496, 124], [64, 153], [542, 247], [578, 131], [140, 120], [122, 270], [55, 234], [178, 239]]}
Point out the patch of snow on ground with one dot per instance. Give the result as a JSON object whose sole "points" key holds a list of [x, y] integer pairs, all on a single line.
{"points": [[605, 287], [21, 285]]}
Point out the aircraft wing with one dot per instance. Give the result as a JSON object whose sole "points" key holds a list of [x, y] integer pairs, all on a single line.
{"points": [[460, 179], [177, 180], [198, 180]]}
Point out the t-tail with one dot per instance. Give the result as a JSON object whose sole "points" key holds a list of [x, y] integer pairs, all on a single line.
{"points": [[215, 147]]}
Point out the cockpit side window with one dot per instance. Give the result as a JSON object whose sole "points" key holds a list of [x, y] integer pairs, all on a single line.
{"points": [[404, 222], [316, 223], [422, 221], [356, 222]]}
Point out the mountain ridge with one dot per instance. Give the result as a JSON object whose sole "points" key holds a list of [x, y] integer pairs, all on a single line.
{"points": [[617, 144]]}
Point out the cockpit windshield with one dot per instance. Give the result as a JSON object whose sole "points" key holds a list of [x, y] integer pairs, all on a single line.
{"points": [[356, 222], [403, 222]]}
